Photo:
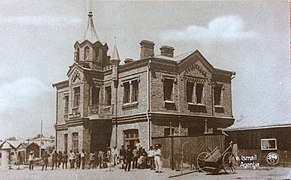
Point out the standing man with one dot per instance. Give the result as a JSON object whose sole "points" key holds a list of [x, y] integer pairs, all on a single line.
{"points": [[59, 159], [78, 160], [54, 160], [45, 157], [83, 158], [72, 159], [135, 157], [122, 156], [128, 159], [151, 155], [65, 160], [91, 160], [31, 160], [114, 155], [158, 162]]}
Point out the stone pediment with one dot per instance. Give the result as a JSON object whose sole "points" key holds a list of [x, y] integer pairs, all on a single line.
{"points": [[75, 74], [196, 65]]}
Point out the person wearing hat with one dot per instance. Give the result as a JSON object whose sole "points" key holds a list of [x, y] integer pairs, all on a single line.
{"points": [[44, 158], [31, 160], [158, 162]]}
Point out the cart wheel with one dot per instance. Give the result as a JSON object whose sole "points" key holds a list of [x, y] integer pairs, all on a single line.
{"points": [[228, 162], [201, 162]]}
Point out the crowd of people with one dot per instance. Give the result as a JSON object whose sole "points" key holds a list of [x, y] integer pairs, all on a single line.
{"points": [[130, 157]]}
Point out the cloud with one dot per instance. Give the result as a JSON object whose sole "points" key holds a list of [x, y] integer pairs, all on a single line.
{"points": [[224, 28], [20, 93], [41, 20]]}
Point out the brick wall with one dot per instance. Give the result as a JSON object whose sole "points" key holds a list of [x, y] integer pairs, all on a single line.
{"points": [[61, 105], [60, 140], [142, 130]]}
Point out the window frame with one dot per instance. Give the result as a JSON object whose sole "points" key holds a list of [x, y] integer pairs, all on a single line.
{"points": [[135, 91], [75, 141], [86, 53], [202, 98], [66, 104], [126, 92], [108, 96], [267, 148], [220, 96], [77, 96], [171, 93]]}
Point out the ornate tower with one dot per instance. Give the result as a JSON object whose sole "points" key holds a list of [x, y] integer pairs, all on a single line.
{"points": [[90, 52]]}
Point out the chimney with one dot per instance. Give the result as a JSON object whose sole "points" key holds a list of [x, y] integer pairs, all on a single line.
{"points": [[128, 60], [147, 49], [167, 51]]}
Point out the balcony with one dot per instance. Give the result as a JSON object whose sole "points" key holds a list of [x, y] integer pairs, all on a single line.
{"points": [[93, 109], [101, 110], [75, 113]]}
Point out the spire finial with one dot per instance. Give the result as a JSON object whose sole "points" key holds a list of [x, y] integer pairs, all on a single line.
{"points": [[90, 5], [90, 33], [115, 54]]}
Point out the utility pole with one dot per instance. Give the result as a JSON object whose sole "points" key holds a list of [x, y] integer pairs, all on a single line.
{"points": [[40, 139]]}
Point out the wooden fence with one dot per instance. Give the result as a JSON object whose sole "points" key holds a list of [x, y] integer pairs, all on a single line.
{"points": [[175, 148]]}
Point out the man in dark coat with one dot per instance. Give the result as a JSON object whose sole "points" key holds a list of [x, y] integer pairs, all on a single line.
{"points": [[65, 160], [54, 160], [44, 158], [128, 159]]}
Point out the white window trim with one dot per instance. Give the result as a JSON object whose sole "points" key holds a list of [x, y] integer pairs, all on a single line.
{"points": [[268, 139]]}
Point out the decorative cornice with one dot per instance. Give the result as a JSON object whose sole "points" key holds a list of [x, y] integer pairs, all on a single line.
{"points": [[62, 84]]}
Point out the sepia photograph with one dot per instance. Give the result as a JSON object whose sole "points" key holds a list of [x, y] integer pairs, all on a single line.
{"points": [[93, 89]]}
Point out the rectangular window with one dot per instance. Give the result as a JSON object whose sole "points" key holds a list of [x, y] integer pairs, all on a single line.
{"points": [[76, 96], [134, 91], [66, 104], [167, 132], [108, 95], [75, 140], [126, 92], [217, 95], [95, 96], [168, 89], [190, 91], [269, 144], [131, 137], [199, 93], [66, 142]]}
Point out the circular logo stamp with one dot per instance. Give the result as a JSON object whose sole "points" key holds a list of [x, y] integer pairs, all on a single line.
{"points": [[272, 158]]}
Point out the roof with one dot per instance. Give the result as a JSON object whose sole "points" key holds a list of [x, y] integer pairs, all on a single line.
{"points": [[8, 145], [115, 54], [177, 58], [90, 33], [271, 116]]}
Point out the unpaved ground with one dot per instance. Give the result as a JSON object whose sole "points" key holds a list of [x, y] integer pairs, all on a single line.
{"points": [[115, 173]]}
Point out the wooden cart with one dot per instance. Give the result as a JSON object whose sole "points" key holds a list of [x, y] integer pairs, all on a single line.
{"points": [[214, 161]]}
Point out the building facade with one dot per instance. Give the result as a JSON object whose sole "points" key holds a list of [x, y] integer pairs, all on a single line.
{"points": [[260, 142], [108, 103]]}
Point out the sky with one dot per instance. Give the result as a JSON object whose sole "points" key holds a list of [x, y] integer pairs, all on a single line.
{"points": [[251, 38]]}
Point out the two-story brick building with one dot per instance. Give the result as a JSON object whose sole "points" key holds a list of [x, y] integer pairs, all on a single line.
{"points": [[108, 103]]}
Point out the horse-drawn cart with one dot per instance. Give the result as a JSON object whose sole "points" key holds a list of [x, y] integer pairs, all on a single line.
{"points": [[214, 161]]}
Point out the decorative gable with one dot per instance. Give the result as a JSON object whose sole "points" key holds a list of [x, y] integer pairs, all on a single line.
{"points": [[197, 69], [76, 76]]}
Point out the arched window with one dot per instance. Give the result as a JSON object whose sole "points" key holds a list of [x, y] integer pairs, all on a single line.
{"points": [[78, 54], [86, 53]]}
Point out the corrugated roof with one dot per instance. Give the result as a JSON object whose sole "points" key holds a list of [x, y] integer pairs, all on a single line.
{"points": [[269, 116]]}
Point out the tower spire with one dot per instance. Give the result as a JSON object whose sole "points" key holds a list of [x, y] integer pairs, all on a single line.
{"points": [[115, 54], [91, 34]]}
